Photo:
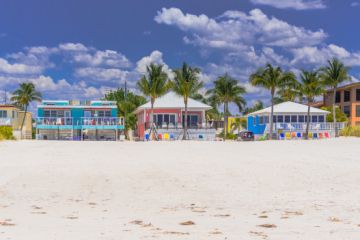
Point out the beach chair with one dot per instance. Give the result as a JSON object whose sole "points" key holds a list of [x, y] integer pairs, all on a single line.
{"points": [[321, 135], [147, 136], [293, 135], [299, 135], [201, 137], [166, 136], [288, 136], [160, 136], [315, 136], [172, 137], [327, 135], [282, 136], [310, 135]]}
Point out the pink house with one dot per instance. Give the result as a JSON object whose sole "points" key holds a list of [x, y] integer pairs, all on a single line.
{"points": [[169, 114]]}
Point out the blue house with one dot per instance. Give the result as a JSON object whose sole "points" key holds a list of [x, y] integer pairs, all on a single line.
{"points": [[78, 120], [290, 117]]}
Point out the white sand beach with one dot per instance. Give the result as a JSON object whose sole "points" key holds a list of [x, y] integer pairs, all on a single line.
{"points": [[180, 190]]}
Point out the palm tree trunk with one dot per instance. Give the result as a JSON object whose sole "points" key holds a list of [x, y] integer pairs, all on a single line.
{"points": [[272, 115], [185, 123], [334, 113], [225, 121], [152, 119], [23, 121], [307, 122]]}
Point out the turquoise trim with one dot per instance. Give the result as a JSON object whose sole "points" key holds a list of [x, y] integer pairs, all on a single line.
{"points": [[69, 127]]}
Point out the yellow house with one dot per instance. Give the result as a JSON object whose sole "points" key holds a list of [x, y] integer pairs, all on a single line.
{"points": [[12, 116], [232, 120]]}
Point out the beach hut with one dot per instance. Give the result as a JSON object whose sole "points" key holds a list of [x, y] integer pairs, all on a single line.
{"points": [[290, 117]]}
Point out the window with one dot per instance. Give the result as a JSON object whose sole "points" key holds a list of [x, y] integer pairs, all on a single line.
{"points": [[314, 119], [321, 119], [274, 119], [266, 119], [347, 96], [261, 120], [3, 114], [165, 118], [337, 97], [357, 94], [358, 111], [254, 121], [301, 118], [287, 119], [53, 113], [280, 119], [294, 119], [347, 111]]}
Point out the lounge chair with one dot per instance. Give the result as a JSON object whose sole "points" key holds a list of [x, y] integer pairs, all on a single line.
{"points": [[299, 135], [315, 136], [327, 135], [160, 136], [166, 136], [147, 137], [321, 135], [310, 135], [282, 136], [172, 136], [288, 136], [293, 135]]}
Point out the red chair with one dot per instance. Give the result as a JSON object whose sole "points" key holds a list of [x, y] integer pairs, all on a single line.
{"points": [[327, 135], [160, 136], [321, 136]]}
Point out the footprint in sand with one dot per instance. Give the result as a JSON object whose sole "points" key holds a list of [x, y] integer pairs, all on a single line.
{"points": [[176, 233], [187, 223], [216, 232], [259, 234], [334, 219], [222, 215], [267, 225], [6, 223], [141, 223]]}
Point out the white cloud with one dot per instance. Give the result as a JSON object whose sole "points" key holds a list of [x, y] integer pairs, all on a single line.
{"points": [[155, 57], [236, 30], [320, 55], [102, 74], [293, 4], [355, 4], [18, 68], [74, 47], [102, 58]]}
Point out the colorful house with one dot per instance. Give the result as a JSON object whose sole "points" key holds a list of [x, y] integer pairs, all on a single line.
{"points": [[290, 117], [348, 100], [78, 120], [169, 118], [12, 116]]}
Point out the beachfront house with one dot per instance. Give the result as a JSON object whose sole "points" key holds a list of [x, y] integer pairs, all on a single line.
{"points": [[12, 116], [169, 117], [348, 100], [78, 120], [290, 117]]}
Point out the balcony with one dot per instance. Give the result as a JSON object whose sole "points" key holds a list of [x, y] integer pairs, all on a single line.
{"points": [[301, 127], [80, 123], [172, 126]]}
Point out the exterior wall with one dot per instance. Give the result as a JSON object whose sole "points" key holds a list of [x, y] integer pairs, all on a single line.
{"points": [[353, 103], [15, 117], [255, 126], [147, 113]]}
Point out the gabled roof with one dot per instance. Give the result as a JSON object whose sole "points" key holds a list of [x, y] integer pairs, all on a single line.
{"points": [[172, 100], [289, 108]]}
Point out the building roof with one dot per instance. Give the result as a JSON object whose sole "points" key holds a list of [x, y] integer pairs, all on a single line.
{"points": [[346, 86], [172, 100], [289, 108]]}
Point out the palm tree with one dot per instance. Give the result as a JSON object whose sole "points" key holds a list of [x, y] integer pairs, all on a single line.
{"points": [[186, 83], [258, 105], [288, 91], [310, 87], [153, 85], [227, 90], [271, 78], [23, 96], [333, 75]]}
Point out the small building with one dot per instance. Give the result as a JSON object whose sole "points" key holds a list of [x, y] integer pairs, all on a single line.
{"points": [[348, 100], [169, 118], [78, 120], [12, 116], [290, 117]]}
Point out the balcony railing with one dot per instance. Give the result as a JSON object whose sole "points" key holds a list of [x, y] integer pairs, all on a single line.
{"points": [[302, 126], [88, 121], [167, 126], [55, 121], [102, 121], [5, 121]]}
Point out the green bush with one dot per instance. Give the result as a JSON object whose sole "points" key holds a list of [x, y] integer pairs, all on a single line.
{"points": [[350, 131], [6, 133], [229, 136]]}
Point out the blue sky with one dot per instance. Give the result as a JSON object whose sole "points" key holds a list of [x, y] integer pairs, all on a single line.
{"points": [[81, 49]]}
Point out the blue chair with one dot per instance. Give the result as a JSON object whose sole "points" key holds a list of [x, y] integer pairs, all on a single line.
{"points": [[315, 136], [299, 135], [172, 136], [282, 136], [201, 137], [147, 137]]}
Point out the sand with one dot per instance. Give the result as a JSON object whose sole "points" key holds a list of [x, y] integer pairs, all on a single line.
{"points": [[180, 190]]}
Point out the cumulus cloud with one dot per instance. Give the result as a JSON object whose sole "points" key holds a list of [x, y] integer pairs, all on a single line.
{"points": [[292, 4], [74, 47], [18, 68], [236, 30], [102, 58], [102, 74], [155, 57]]}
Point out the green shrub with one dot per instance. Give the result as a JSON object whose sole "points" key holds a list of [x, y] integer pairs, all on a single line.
{"points": [[350, 131], [229, 136], [6, 133]]}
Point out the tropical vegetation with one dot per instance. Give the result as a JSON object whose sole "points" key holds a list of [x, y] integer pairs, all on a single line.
{"points": [[227, 90], [186, 83], [23, 96]]}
